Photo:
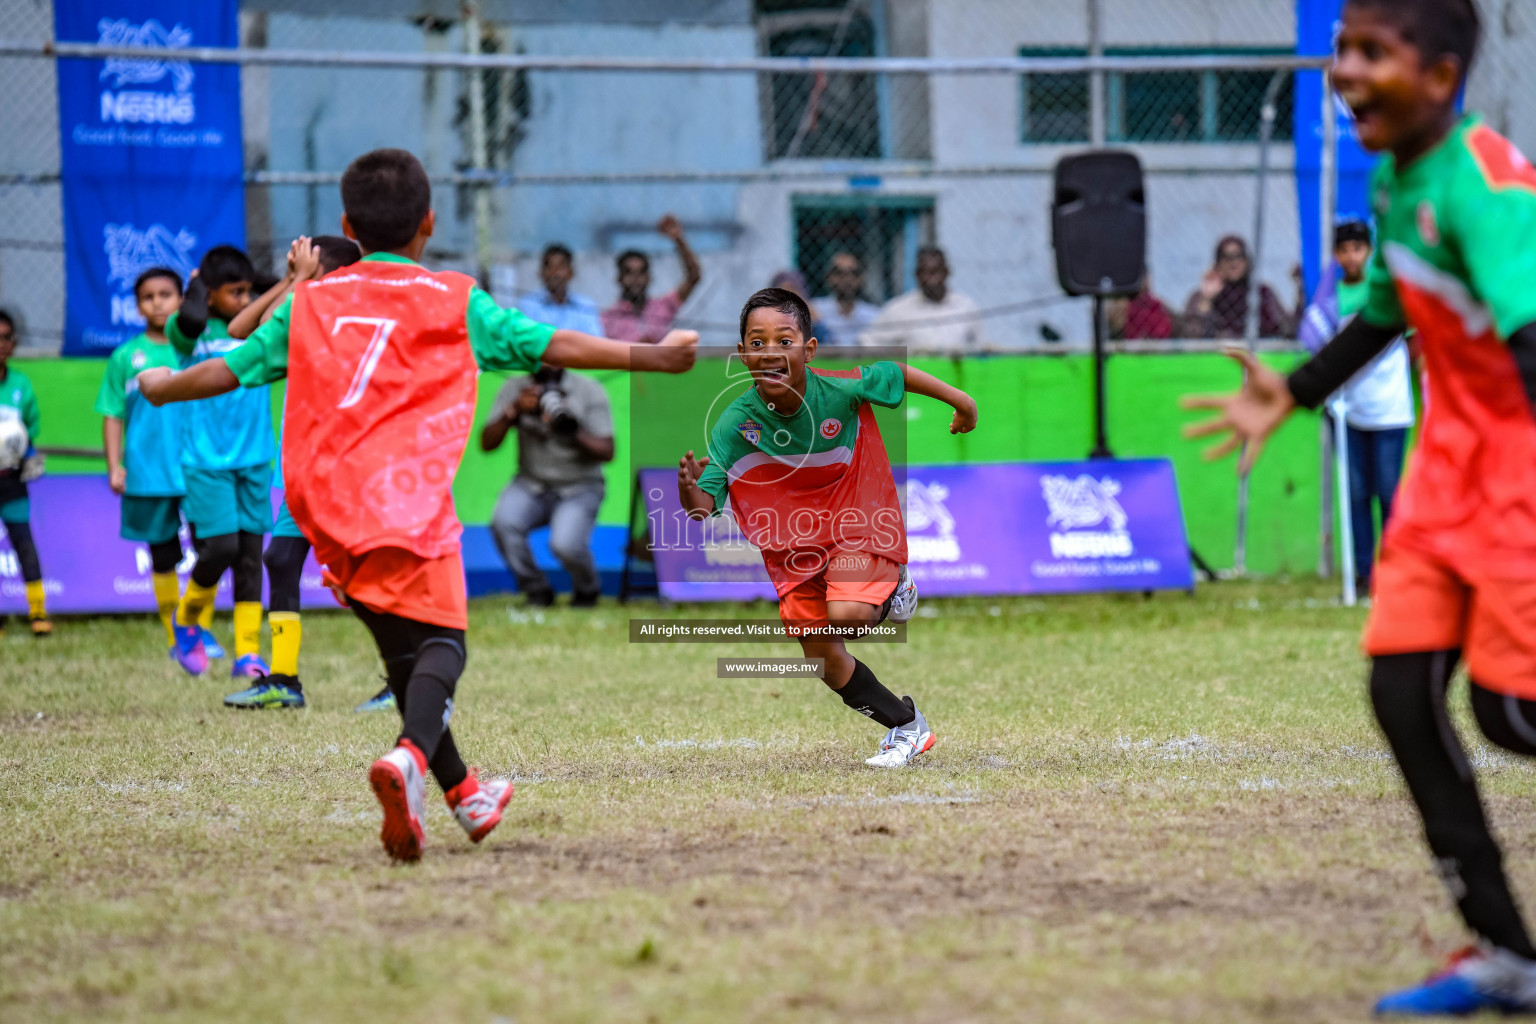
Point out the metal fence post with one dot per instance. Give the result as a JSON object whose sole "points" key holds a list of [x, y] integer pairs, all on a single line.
{"points": [[1096, 111], [479, 153]]}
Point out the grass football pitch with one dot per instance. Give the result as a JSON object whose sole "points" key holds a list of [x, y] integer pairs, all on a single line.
{"points": [[1174, 808]]}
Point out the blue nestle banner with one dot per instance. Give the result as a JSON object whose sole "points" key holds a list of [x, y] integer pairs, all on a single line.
{"points": [[151, 156], [1316, 24], [988, 528]]}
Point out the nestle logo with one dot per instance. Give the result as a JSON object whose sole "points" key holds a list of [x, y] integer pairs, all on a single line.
{"points": [[148, 108], [140, 106]]}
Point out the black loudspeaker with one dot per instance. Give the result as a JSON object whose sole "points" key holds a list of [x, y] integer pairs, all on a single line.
{"points": [[1099, 223]]}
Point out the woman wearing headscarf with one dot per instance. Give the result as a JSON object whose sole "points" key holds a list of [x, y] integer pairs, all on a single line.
{"points": [[1219, 307]]}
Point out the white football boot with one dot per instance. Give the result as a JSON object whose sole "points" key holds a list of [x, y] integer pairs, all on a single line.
{"points": [[903, 598], [480, 812], [904, 742], [398, 783]]}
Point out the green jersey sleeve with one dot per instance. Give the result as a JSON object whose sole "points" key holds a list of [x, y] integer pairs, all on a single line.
{"points": [[264, 356], [1382, 307], [175, 335], [726, 445], [1491, 224], [504, 339], [110, 399], [882, 384], [30, 414]]}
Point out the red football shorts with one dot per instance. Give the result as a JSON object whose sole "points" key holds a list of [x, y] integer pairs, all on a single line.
{"points": [[1421, 604], [848, 576], [400, 582]]}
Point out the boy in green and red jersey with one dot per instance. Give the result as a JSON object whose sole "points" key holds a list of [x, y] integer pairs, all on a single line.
{"points": [[381, 359], [801, 460], [1455, 208]]}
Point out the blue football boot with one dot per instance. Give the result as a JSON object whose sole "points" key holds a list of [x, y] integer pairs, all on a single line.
{"points": [[269, 692], [211, 645], [1474, 981], [384, 700]]}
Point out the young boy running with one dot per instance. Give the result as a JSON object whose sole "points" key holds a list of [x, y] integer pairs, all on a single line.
{"points": [[307, 260], [1455, 208], [143, 444], [802, 462], [381, 362], [227, 451], [19, 402]]}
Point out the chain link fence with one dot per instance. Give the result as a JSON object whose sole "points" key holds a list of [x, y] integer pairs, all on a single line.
{"points": [[835, 180]]}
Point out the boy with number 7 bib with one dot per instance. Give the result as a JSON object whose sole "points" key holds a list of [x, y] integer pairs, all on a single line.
{"points": [[381, 360]]}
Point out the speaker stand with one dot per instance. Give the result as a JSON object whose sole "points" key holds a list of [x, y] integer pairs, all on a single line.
{"points": [[1100, 329]]}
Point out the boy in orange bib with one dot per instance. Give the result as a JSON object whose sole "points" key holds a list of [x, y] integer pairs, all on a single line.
{"points": [[381, 359]]}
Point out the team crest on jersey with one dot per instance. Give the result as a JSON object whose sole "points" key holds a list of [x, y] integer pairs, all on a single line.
{"points": [[752, 432], [138, 360], [1429, 230], [831, 427]]}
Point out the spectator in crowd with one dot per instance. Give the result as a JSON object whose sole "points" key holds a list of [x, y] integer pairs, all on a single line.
{"points": [[565, 434], [1141, 317], [933, 316], [794, 281], [1219, 307], [1377, 401], [557, 305], [844, 313], [636, 316]]}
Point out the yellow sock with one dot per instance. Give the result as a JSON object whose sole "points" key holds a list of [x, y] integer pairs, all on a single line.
{"points": [[194, 602], [287, 632], [247, 628], [167, 597], [205, 617], [37, 600]]}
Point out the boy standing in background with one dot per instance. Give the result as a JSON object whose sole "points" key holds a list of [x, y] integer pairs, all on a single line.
{"points": [[227, 452], [19, 402]]}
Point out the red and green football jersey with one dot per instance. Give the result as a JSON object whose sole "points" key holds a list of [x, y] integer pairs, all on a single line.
{"points": [[814, 482], [1456, 260]]}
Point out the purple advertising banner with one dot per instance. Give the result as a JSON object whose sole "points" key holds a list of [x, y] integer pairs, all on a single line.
{"points": [[88, 568], [989, 528]]}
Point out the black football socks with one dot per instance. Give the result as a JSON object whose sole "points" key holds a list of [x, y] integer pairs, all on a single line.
{"points": [[869, 697]]}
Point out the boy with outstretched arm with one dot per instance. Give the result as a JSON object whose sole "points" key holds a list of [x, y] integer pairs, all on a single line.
{"points": [[308, 259], [143, 444], [1455, 208], [19, 402], [227, 451], [801, 460], [381, 361]]}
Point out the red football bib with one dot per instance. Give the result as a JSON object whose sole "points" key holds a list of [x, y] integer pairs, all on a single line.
{"points": [[381, 399]]}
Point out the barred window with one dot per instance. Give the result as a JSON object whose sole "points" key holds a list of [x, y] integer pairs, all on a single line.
{"points": [[1055, 106], [883, 231], [1154, 106], [820, 116]]}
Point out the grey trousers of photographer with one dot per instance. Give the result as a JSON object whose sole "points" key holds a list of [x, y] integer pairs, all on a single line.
{"points": [[570, 511]]}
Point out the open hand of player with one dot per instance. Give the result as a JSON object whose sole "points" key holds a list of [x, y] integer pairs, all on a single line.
{"points": [[293, 255], [689, 469], [696, 503], [677, 351], [118, 480], [964, 420], [1247, 416], [306, 259]]}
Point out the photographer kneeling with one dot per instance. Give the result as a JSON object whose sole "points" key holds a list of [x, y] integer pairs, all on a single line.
{"points": [[566, 434]]}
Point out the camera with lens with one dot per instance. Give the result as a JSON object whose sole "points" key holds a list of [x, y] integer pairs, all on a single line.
{"points": [[552, 403]]}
